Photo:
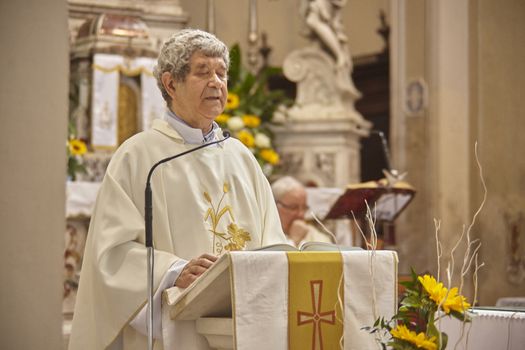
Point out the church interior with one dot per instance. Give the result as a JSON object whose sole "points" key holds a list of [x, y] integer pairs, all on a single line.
{"points": [[434, 100]]}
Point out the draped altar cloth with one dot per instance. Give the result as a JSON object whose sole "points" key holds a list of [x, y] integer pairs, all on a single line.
{"points": [[288, 300], [107, 69]]}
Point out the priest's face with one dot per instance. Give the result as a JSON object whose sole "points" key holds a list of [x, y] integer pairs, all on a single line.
{"points": [[201, 97], [292, 206]]}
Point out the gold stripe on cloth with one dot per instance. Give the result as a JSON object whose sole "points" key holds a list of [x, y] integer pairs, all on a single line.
{"points": [[314, 309]]}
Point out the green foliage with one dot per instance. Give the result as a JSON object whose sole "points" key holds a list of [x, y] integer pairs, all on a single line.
{"points": [[417, 312], [254, 96]]}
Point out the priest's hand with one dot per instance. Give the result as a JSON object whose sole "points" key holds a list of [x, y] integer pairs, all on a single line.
{"points": [[193, 269]]}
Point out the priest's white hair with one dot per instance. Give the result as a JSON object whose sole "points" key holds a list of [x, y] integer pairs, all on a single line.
{"points": [[176, 52], [284, 185]]}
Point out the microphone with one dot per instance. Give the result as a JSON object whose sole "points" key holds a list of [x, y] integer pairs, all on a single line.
{"points": [[148, 222]]}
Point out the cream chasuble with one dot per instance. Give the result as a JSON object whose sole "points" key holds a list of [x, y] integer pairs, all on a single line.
{"points": [[210, 201]]}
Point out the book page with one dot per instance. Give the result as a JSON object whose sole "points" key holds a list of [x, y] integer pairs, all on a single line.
{"points": [[324, 247], [390, 204], [279, 247]]}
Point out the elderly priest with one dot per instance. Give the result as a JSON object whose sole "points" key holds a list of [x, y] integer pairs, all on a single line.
{"points": [[206, 203]]}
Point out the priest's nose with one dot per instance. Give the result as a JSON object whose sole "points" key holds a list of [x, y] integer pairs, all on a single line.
{"points": [[215, 81]]}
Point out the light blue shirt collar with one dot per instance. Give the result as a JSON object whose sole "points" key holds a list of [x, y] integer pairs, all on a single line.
{"points": [[190, 135]]}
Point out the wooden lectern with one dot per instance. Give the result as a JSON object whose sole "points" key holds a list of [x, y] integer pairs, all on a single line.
{"points": [[389, 200], [244, 300], [385, 200]]}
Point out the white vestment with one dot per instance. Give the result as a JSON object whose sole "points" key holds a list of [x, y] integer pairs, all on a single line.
{"points": [[217, 189]]}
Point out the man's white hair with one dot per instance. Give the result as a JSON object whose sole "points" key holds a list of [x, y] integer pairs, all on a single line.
{"points": [[175, 55], [284, 185]]}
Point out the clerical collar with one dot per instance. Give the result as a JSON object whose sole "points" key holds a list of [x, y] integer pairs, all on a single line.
{"points": [[190, 134]]}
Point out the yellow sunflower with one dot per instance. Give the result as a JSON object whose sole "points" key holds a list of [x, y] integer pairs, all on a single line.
{"points": [[435, 290], [251, 121], [77, 147], [270, 156], [246, 138], [232, 101], [420, 340], [222, 118], [455, 302]]}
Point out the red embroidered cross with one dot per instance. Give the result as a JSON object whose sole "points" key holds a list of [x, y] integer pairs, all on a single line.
{"points": [[317, 317]]}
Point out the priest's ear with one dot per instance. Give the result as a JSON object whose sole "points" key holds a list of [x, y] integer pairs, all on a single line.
{"points": [[169, 83]]}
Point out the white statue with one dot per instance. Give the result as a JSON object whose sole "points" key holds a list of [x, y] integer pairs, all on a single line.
{"points": [[323, 18], [322, 70]]}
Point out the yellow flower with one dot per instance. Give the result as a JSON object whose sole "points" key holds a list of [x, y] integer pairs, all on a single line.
{"points": [[246, 137], [420, 340], [251, 121], [455, 302], [435, 290], [270, 156], [232, 101], [77, 147], [438, 293], [222, 118]]}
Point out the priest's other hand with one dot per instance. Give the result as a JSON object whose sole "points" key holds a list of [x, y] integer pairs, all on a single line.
{"points": [[193, 269]]}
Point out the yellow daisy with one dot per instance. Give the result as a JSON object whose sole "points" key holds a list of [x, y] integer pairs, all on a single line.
{"points": [[420, 340], [77, 147], [251, 121], [270, 156], [246, 138], [232, 101]]}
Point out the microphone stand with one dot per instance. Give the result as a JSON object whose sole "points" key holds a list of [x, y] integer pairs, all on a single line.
{"points": [[385, 147], [148, 221]]}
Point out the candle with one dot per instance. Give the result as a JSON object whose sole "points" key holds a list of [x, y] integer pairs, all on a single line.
{"points": [[253, 16]]}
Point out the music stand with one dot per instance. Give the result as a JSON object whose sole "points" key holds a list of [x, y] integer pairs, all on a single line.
{"points": [[385, 200]]}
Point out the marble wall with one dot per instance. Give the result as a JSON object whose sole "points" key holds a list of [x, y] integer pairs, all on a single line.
{"points": [[469, 55], [499, 128]]}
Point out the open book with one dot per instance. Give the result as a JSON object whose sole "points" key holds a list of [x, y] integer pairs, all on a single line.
{"points": [[307, 246]]}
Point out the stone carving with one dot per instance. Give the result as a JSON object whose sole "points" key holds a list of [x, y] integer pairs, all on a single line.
{"points": [[322, 71], [292, 162], [322, 123], [325, 165], [323, 18]]}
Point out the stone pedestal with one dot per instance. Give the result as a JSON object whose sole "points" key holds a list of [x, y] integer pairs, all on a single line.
{"points": [[324, 153]]}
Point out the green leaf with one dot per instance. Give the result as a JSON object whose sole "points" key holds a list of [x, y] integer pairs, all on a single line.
{"points": [[444, 340], [235, 66]]}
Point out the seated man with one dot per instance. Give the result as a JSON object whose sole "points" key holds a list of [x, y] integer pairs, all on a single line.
{"points": [[290, 196]]}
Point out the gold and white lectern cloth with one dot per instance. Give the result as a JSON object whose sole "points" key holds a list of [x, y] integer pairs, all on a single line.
{"points": [[289, 300]]}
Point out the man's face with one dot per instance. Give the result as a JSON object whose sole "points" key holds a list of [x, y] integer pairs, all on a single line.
{"points": [[291, 207], [202, 96]]}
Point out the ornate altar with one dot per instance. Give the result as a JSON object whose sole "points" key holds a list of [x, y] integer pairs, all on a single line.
{"points": [[112, 86]]}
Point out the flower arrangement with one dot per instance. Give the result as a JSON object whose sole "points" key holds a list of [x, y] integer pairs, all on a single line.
{"points": [[75, 148], [426, 300], [414, 325], [249, 110]]}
